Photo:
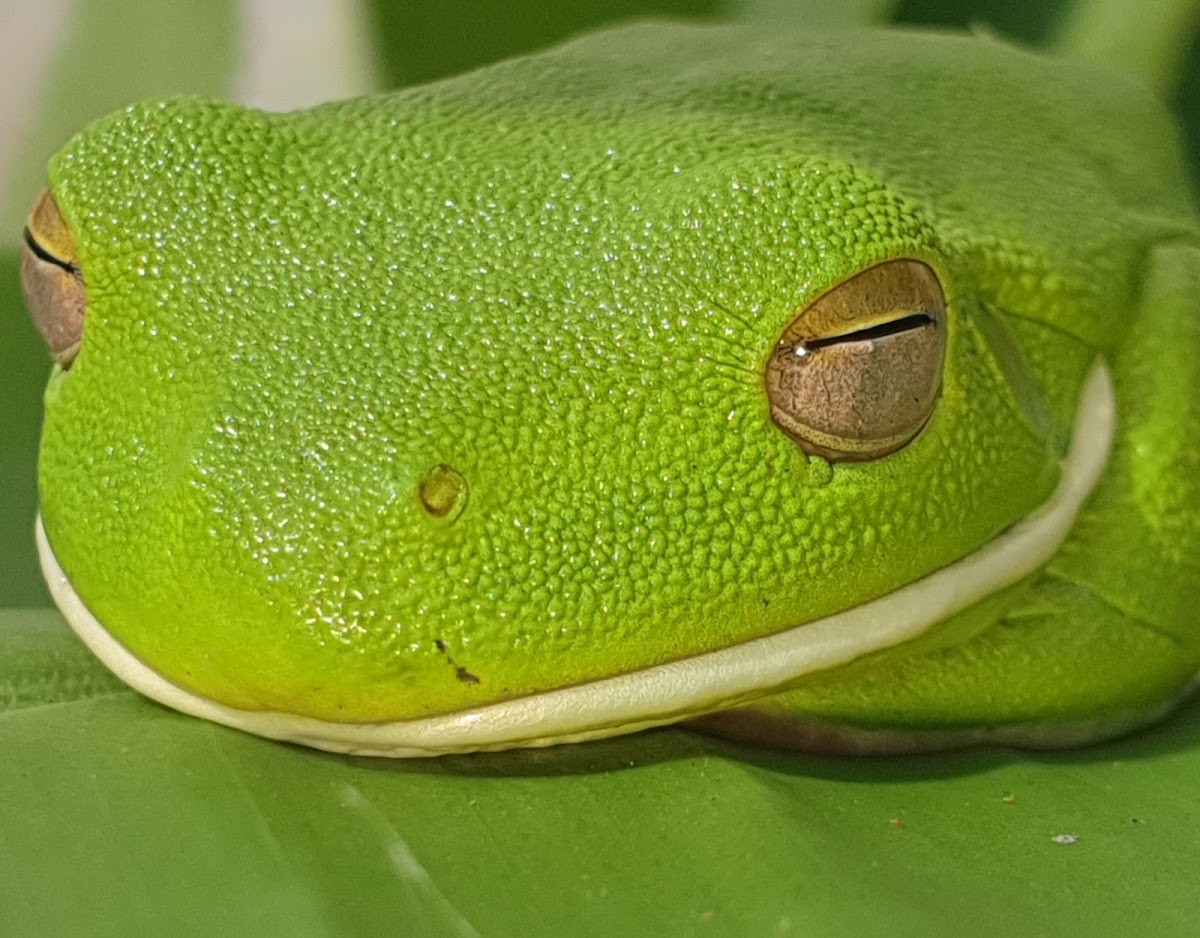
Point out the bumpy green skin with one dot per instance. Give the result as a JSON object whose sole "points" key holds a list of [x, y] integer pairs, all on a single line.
{"points": [[562, 277]]}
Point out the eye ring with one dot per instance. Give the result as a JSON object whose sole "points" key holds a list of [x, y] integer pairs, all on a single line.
{"points": [[857, 374]]}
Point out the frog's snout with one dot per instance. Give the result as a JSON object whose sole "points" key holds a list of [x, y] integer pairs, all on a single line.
{"points": [[52, 280]]}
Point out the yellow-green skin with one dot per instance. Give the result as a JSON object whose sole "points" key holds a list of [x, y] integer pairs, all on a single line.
{"points": [[562, 278]]}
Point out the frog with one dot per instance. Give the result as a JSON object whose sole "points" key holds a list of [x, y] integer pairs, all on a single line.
{"points": [[833, 391]]}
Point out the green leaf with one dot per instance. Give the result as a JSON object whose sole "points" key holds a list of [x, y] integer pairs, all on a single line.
{"points": [[24, 368], [420, 41], [812, 14], [122, 818]]}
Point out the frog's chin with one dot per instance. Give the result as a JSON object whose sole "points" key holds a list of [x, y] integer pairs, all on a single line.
{"points": [[677, 690]]}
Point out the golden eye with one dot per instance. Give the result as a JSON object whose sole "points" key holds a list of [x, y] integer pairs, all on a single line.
{"points": [[51, 279], [856, 375]]}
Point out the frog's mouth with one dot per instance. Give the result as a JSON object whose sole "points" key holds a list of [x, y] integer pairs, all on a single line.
{"points": [[669, 692]]}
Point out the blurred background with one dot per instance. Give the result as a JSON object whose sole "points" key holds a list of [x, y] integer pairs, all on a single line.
{"points": [[65, 62]]}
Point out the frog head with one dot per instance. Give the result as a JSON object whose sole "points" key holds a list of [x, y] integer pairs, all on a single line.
{"points": [[470, 416]]}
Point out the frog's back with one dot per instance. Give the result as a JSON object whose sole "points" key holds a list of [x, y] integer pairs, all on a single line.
{"points": [[1053, 150]]}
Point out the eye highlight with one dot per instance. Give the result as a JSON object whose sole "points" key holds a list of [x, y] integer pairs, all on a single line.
{"points": [[857, 374]]}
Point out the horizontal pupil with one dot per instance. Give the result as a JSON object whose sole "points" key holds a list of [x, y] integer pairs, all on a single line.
{"points": [[42, 254], [894, 327]]}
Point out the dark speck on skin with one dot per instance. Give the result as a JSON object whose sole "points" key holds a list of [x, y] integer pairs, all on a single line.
{"points": [[459, 672]]}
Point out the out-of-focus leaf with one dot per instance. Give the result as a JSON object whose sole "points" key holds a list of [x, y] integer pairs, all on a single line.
{"points": [[24, 367], [822, 14], [421, 41]]}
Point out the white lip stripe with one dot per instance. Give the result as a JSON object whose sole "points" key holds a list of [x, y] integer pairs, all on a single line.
{"points": [[667, 692]]}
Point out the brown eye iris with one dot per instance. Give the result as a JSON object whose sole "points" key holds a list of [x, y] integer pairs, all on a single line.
{"points": [[857, 374], [51, 279]]}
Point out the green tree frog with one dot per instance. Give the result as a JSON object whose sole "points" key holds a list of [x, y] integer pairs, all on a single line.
{"points": [[831, 390]]}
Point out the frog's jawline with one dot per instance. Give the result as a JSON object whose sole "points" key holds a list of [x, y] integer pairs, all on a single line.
{"points": [[669, 692]]}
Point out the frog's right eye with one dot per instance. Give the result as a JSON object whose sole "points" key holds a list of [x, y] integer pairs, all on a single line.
{"points": [[857, 374], [52, 281]]}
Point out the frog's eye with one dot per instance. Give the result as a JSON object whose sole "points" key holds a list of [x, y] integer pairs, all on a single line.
{"points": [[856, 375], [52, 281]]}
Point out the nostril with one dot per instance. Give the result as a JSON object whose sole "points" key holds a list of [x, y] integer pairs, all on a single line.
{"points": [[443, 492]]}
